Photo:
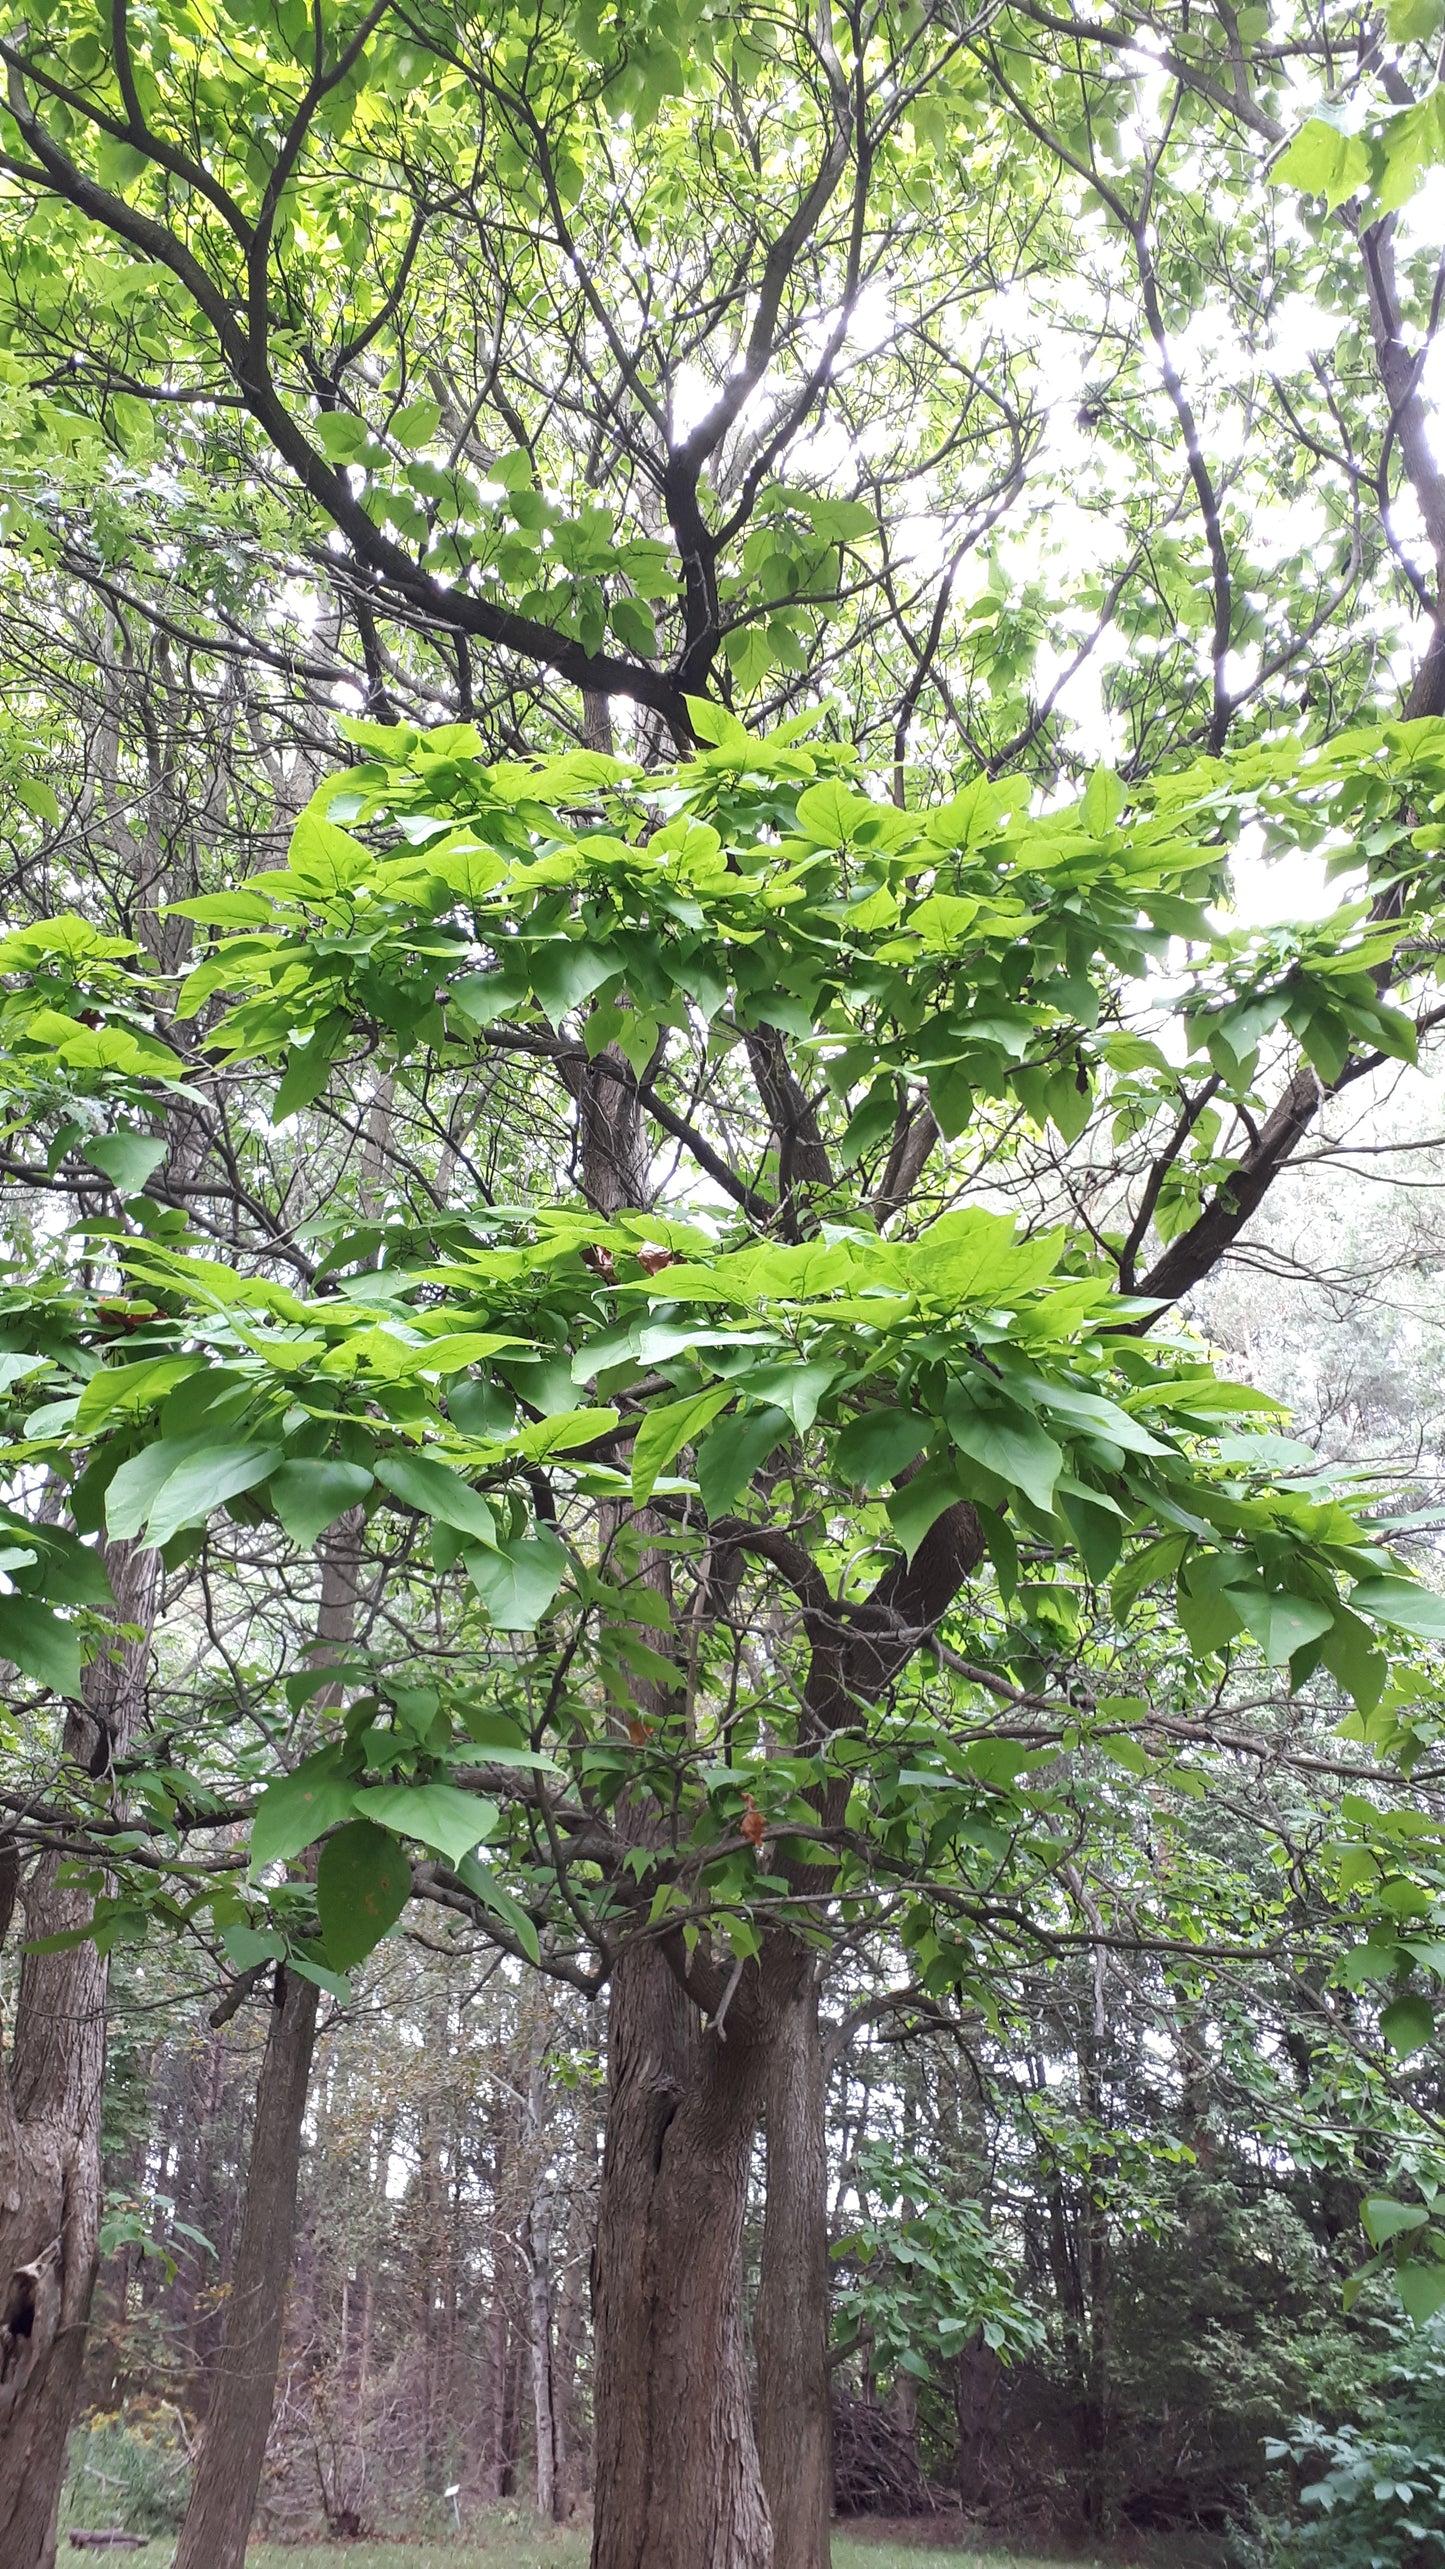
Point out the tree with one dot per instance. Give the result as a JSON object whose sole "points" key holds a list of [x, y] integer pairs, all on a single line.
{"points": [[727, 1675], [487, 299], [459, 317]]}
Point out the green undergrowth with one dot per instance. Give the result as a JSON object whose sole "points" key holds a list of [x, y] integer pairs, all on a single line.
{"points": [[521, 2547]]}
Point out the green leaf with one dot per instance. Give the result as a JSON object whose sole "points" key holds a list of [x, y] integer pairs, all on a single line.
{"points": [[749, 653], [309, 1496], [1097, 1530], [296, 1809], [133, 1388], [1281, 1624], [363, 1883], [518, 1579], [40, 1644], [795, 1387], [950, 1094], [178, 1482], [878, 1446], [135, 1487], [1384, 2219], [1124, 1750], [37, 797], [480, 1880], [246, 1945], [1403, 1605], [1408, 2023], [415, 424], [1323, 161], [665, 1431], [1009, 1443], [830, 814], [921, 1501], [128, 1159], [335, 1983], [440, 1815], [339, 436], [870, 1124], [1147, 1568], [632, 621], [1422, 2290], [714, 723], [1210, 1614], [308, 1068], [565, 971], [1103, 800], [203, 1483], [734, 1450], [435, 1490], [1413, 22]]}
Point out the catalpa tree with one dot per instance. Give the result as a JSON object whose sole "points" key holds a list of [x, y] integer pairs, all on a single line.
{"points": [[707, 1488]]}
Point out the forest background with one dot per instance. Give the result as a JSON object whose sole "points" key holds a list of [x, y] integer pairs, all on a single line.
{"points": [[724, 735]]}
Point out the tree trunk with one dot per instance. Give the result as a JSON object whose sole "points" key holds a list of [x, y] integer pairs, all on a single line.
{"points": [[243, 2390], [537, 2244], [50, 2101], [539, 2316], [243, 2387], [677, 2481], [790, 2323]]}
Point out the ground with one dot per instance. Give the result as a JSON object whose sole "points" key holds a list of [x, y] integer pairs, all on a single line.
{"points": [[523, 2546]]}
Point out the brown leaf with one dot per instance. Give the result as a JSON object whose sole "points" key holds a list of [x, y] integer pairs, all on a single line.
{"points": [[652, 1261], [752, 1824]]}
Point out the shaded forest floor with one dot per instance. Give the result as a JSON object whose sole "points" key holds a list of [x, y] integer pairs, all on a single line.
{"points": [[513, 2546]]}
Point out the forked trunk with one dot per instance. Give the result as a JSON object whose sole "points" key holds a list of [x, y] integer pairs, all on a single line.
{"points": [[790, 2322], [677, 2484], [50, 2098], [677, 2480], [243, 2386]]}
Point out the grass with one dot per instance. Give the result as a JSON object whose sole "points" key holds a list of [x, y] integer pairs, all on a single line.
{"points": [[522, 2546]]}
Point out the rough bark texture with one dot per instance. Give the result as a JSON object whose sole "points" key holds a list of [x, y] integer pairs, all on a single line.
{"points": [[50, 2099], [854, 1658], [676, 2462], [243, 2389], [676, 2469], [790, 2322]]}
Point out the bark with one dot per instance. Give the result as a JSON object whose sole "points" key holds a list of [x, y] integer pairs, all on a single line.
{"points": [[676, 2462], [50, 2102], [539, 2315], [853, 1660], [538, 2245], [676, 2470], [790, 2322], [243, 2390]]}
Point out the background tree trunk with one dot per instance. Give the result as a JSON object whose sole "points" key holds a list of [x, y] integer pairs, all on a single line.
{"points": [[243, 2385], [243, 2388], [537, 2242], [50, 2104]]}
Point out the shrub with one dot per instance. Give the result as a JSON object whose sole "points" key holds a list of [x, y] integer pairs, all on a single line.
{"points": [[129, 2468], [1378, 2502]]}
